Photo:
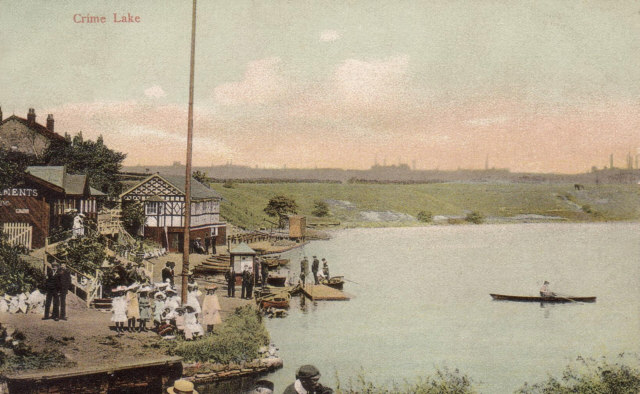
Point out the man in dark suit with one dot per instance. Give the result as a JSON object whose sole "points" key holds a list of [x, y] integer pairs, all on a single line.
{"points": [[53, 294], [167, 272], [230, 276], [245, 283], [64, 284], [315, 266]]}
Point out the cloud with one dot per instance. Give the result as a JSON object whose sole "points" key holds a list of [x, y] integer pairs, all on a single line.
{"points": [[262, 84], [370, 82], [329, 35], [155, 92]]}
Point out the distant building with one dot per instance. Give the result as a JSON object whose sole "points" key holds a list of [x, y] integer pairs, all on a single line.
{"points": [[40, 202], [163, 197], [26, 135]]}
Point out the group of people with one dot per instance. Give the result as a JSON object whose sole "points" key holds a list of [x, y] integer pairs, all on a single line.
{"points": [[161, 304], [315, 270], [307, 382], [200, 247], [57, 284]]}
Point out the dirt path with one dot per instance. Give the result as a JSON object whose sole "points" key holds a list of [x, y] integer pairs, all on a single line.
{"points": [[88, 339]]}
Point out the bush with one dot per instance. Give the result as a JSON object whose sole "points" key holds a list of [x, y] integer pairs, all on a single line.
{"points": [[84, 254], [228, 184], [474, 217], [443, 381], [16, 275], [237, 340], [425, 216], [591, 376], [320, 208]]}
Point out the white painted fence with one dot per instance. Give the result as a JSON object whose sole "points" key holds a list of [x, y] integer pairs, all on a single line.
{"points": [[18, 233]]}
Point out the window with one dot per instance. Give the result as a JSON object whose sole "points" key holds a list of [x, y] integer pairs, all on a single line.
{"points": [[153, 208]]}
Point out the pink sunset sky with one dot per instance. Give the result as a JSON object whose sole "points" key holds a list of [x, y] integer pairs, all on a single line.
{"points": [[535, 87]]}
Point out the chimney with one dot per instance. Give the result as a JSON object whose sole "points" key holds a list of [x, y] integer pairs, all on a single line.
{"points": [[31, 116], [50, 122]]}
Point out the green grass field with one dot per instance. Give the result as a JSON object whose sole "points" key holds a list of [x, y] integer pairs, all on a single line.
{"points": [[244, 203]]}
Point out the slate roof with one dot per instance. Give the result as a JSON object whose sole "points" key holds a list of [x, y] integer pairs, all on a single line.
{"points": [[37, 127], [242, 248], [72, 184], [198, 190]]}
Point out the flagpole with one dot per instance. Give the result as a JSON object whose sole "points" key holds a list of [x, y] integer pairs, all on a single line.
{"points": [[187, 183]]}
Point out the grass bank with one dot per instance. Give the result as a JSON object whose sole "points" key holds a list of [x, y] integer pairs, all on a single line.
{"points": [[376, 205]]}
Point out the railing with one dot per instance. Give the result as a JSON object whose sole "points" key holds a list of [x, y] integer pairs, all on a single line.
{"points": [[90, 286], [18, 234]]}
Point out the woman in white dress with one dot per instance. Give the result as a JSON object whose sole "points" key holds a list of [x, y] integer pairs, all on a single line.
{"points": [[119, 308]]}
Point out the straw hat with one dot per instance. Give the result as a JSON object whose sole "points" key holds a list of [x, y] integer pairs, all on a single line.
{"points": [[211, 287], [182, 386], [160, 295]]}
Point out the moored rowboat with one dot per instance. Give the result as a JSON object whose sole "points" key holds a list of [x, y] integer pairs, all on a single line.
{"points": [[556, 299]]}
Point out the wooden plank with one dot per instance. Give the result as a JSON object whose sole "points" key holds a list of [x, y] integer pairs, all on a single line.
{"points": [[96, 370], [324, 293]]}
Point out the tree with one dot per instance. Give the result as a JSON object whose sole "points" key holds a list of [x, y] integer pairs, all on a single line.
{"points": [[320, 208], [201, 177], [12, 166], [94, 159], [280, 206], [133, 217]]}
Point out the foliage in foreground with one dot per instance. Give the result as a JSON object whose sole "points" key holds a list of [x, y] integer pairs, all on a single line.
{"points": [[591, 376], [236, 340], [20, 357], [16, 275], [444, 381]]}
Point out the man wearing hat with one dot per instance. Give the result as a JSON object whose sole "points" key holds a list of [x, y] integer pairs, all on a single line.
{"points": [[230, 276], [325, 268], [167, 272], [53, 294], [182, 386], [545, 291], [315, 266], [64, 284], [307, 381]]}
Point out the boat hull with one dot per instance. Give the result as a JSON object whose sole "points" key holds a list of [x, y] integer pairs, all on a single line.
{"points": [[279, 281], [555, 300]]}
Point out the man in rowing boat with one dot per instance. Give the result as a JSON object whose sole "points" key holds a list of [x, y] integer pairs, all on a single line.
{"points": [[545, 291]]}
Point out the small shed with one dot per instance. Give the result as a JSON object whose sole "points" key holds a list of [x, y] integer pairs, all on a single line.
{"points": [[242, 257], [297, 227]]}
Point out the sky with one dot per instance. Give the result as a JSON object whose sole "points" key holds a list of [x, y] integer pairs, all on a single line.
{"points": [[533, 86]]}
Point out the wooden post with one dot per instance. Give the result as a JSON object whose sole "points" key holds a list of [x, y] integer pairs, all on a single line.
{"points": [[187, 186]]}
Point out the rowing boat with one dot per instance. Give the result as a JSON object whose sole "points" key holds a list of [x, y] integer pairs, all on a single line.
{"points": [[556, 299]]}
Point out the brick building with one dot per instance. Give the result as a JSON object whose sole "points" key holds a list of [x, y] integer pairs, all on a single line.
{"points": [[26, 135]]}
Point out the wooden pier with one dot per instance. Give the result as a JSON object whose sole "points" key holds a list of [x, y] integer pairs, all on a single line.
{"points": [[324, 293], [142, 377]]}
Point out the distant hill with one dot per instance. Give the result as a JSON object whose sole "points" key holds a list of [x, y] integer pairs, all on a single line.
{"points": [[394, 174]]}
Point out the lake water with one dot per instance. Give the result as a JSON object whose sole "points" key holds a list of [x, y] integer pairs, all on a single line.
{"points": [[422, 302]]}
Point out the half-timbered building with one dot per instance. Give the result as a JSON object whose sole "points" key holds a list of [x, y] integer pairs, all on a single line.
{"points": [[163, 198], [31, 209]]}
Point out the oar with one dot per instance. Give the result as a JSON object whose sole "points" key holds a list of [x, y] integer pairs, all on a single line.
{"points": [[564, 297], [352, 281]]}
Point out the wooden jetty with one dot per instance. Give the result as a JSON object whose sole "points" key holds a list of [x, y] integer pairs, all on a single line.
{"points": [[324, 293], [142, 377]]}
